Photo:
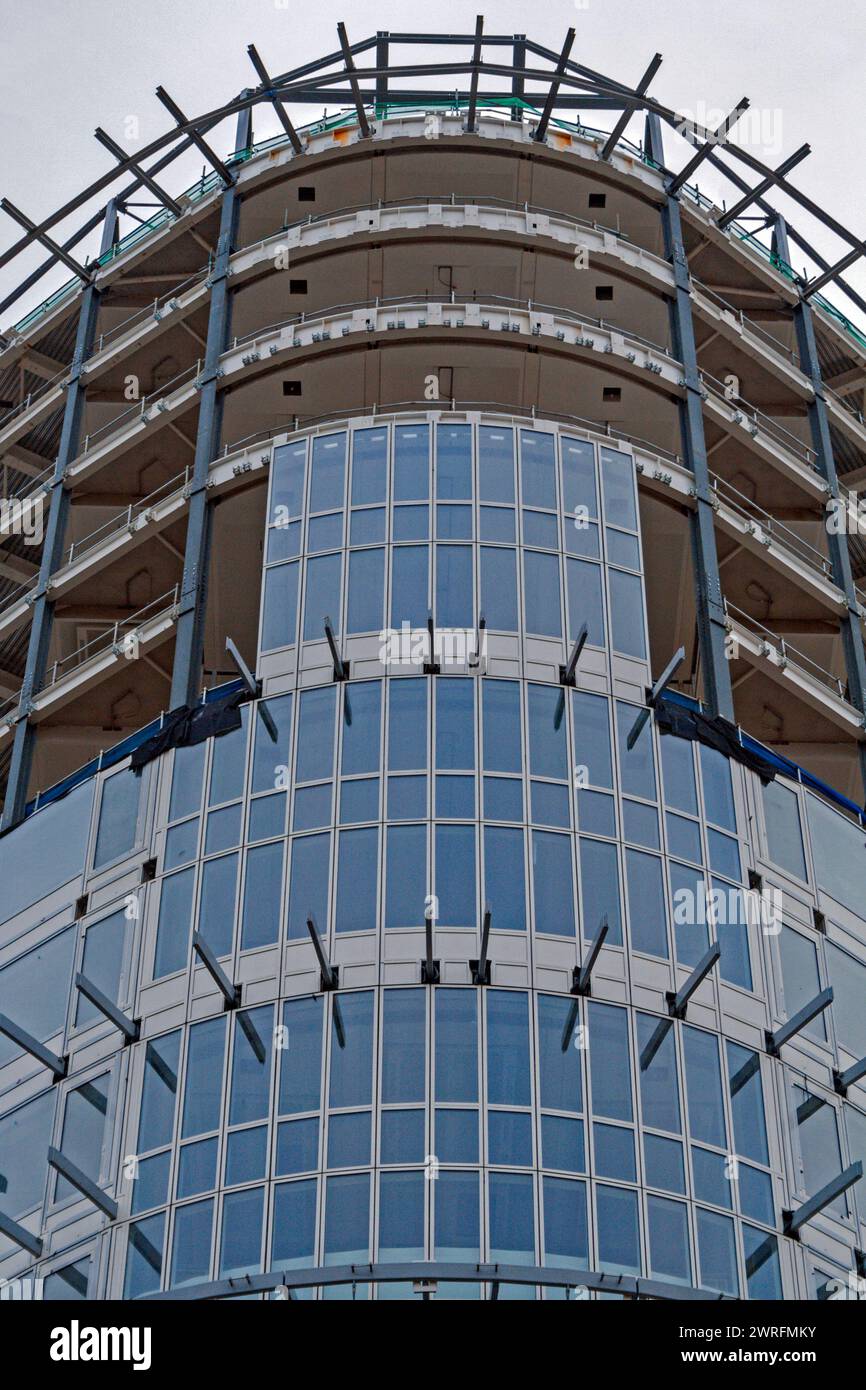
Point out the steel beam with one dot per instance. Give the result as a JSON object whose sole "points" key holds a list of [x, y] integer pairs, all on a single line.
{"points": [[26, 1239], [476, 65], [78, 1178], [629, 110], [382, 57], [55, 539], [708, 585], [713, 140], [352, 75], [195, 135], [541, 129], [128, 162], [189, 640], [48, 242], [837, 541], [518, 58], [278, 106], [763, 187]]}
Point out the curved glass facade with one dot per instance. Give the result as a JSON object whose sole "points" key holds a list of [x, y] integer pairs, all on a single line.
{"points": [[448, 773]]}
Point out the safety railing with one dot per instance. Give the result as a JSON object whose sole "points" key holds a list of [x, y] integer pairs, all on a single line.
{"points": [[119, 631], [749, 325], [126, 519], [775, 530], [739, 407], [787, 653], [139, 408]]}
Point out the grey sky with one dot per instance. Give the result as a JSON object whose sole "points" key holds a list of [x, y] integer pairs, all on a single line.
{"points": [[69, 67]]}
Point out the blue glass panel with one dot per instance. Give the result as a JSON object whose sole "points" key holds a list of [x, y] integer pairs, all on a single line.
{"points": [[246, 1155], [228, 763], [34, 990], [216, 913], [411, 523], [704, 1087], [401, 1216], [191, 1244], [622, 549], [150, 1183], [262, 889], [541, 579], [596, 813], [503, 798], [267, 817], [499, 588], [547, 740], [537, 469], [357, 880], [718, 791], [618, 1230], [678, 767], [347, 1219], [457, 1216], [562, 1144], [566, 1238], [241, 1240], [308, 883], [297, 1147], [327, 472], [508, 1075], [204, 1077], [102, 962], [407, 724], [144, 1257], [456, 1045], [251, 1065], [504, 877], [710, 1179], [688, 892], [663, 1163], [455, 723], [186, 779], [300, 1056], [512, 1218], [367, 526], [540, 529], [403, 1045], [684, 838], [617, 480], [552, 883], [407, 798], [45, 850], [509, 1138], [25, 1134], [314, 759], [172, 933], [351, 1080], [637, 764], [322, 595], [197, 1168], [732, 932], [270, 752], [640, 824], [762, 1265], [349, 1140], [724, 854], [159, 1092], [668, 1231], [402, 1137], [223, 829], [287, 479], [359, 800], [756, 1194], [501, 715], [591, 723], [610, 1066], [118, 817], [325, 532], [585, 601], [747, 1102], [599, 890], [455, 798], [409, 593], [454, 605], [365, 611], [456, 1136], [454, 522], [657, 1061], [646, 904], [294, 1237], [626, 613], [83, 1135], [284, 541], [495, 464], [455, 875], [497, 524], [361, 718], [551, 804], [717, 1251], [280, 620], [453, 461], [406, 876], [369, 466], [784, 832], [578, 476], [559, 1054], [614, 1152]]}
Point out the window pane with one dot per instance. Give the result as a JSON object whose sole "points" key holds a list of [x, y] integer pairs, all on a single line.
{"points": [[637, 766], [118, 817], [657, 1061], [669, 1240], [241, 1242], [585, 602], [499, 588], [566, 1239], [144, 1257], [626, 613], [34, 990], [800, 978], [717, 1251], [411, 462], [327, 472], [362, 706], [322, 595], [264, 882], [537, 469], [559, 1054], [403, 1045], [552, 883], [308, 883], [186, 779], [401, 1216], [251, 1065], [454, 606], [618, 1230], [172, 935], [216, 913], [508, 1079], [646, 904], [357, 880], [84, 1131], [453, 461], [578, 478], [818, 1133], [104, 944], [848, 978], [407, 724], [704, 1086], [501, 712], [204, 1077], [294, 1238], [455, 876], [617, 480], [409, 593], [351, 1050], [541, 578], [457, 1216], [678, 767], [599, 890], [762, 1264], [456, 1045], [504, 879], [347, 1219], [301, 1056], [369, 466], [191, 1243], [279, 624], [747, 1103], [590, 714], [159, 1092], [495, 464], [718, 792], [455, 723], [406, 876], [365, 612], [609, 1061], [512, 1218], [25, 1135]]}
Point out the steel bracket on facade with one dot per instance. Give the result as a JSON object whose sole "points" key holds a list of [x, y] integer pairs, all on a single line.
{"points": [[89, 1189], [341, 667], [58, 1066], [652, 696], [431, 666], [429, 966], [480, 968], [329, 974], [793, 1221], [581, 976], [230, 992], [568, 673], [677, 1001], [129, 1027], [775, 1041], [843, 1079], [20, 1236]]}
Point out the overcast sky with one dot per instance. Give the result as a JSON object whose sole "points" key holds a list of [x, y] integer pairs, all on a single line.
{"points": [[70, 65]]}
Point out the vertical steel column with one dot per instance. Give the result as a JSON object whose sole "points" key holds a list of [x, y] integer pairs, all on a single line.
{"points": [[189, 639], [518, 58], [382, 50], [708, 586], [55, 536], [837, 542]]}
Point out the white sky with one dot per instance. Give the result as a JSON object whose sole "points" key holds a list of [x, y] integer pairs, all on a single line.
{"points": [[70, 65]]}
